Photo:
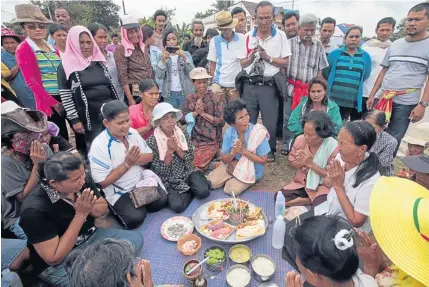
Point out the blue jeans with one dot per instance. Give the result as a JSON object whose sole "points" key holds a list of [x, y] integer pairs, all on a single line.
{"points": [[177, 100], [10, 250], [57, 275], [399, 122]]}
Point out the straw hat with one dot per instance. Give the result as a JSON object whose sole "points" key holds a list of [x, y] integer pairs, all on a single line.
{"points": [[17, 119], [418, 135], [162, 109], [224, 20], [199, 74], [29, 13], [399, 216]]}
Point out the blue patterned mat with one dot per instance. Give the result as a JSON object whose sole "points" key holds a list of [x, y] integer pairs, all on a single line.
{"points": [[167, 262]]}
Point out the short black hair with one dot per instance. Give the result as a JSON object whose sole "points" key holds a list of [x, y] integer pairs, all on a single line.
{"points": [[238, 10], [387, 20], [354, 28], [378, 116], [58, 166], [64, 8], [146, 85], [55, 27], [328, 20], [147, 32], [231, 110], [421, 7], [159, 13], [289, 15], [111, 109], [165, 34], [115, 35], [212, 32], [94, 27], [264, 4], [323, 125]]}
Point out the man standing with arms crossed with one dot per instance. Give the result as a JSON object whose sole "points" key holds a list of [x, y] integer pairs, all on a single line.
{"points": [[404, 74]]}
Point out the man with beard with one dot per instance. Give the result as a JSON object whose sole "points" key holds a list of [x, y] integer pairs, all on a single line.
{"points": [[305, 49], [197, 41], [404, 75], [63, 17], [290, 24], [160, 17], [239, 14], [267, 52], [327, 29]]}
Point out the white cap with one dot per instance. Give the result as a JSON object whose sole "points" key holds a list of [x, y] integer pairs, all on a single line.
{"points": [[129, 22]]}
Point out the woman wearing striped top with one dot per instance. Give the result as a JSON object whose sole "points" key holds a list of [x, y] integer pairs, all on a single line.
{"points": [[349, 67]]}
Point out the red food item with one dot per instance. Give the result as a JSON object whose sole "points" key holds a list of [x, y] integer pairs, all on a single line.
{"points": [[216, 224], [222, 232]]}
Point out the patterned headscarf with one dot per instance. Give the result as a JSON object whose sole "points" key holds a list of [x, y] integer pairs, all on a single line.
{"points": [[21, 141]]}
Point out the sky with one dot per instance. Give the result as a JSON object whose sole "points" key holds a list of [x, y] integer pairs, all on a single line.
{"points": [[365, 13]]}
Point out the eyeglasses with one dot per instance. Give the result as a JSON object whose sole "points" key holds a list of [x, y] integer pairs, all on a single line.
{"points": [[35, 26]]}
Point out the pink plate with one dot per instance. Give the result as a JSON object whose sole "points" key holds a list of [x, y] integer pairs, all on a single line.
{"points": [[188, 227]]}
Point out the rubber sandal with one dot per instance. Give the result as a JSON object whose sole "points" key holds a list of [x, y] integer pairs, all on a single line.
{"points": [[271, 157]]}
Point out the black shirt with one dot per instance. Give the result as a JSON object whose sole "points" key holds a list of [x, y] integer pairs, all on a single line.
{"points": [[191, 48], [43, 220], [62, 143]]}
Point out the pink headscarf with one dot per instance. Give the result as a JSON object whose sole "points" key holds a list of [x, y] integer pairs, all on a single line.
{"points": [[128, 46], [73, 60]]}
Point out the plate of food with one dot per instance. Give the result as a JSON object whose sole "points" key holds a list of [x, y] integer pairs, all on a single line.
{"points": [[175, 227], [230, 220]]}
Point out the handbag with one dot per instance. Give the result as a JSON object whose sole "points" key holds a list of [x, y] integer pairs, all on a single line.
{"points": [[141, 196]]}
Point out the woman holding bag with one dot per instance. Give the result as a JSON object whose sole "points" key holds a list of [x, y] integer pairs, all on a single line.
{"points": [[116, 157]]}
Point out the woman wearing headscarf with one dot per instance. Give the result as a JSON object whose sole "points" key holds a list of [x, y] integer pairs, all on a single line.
{"points": [[56, 142], [85, 84], [132, 59]]}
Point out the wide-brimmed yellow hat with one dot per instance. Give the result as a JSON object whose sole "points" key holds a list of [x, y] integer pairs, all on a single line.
{"points": [[399, 216]]}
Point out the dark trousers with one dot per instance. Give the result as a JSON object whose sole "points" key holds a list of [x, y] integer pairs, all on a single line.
{"points": [[287, 134], [199, 188], [265, 99], [84, 141], [350, 113], [399, 122], [59, 120], [129, 216]]}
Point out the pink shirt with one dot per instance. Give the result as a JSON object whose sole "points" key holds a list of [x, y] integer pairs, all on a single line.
{"points": [[138, 120]]}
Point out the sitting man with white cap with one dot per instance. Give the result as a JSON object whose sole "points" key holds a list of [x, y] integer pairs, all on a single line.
{"points": [[420, 165]]}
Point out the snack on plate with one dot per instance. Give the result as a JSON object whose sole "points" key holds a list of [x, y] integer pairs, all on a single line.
{"points": [[216, 224], [220, 233], [216, 210], [190, 246], [249, 229], [253, 213]]}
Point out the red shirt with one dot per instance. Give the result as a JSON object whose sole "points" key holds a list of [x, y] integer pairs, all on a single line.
{"points": [[138, 120]]}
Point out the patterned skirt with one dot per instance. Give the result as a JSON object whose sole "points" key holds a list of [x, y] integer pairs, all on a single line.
{"points": [[204, 154]]}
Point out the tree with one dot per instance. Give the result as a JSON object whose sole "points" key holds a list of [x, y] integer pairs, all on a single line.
{"points": [[217, 6], [151, 22], [181, 31], [202, 15], [400, 31]]}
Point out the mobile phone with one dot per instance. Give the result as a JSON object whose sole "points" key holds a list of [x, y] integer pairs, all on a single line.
{"points": [[172, 49]]}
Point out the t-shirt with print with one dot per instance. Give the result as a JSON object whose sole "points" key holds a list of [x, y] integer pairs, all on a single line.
{"points": [[107, 154], [228, 142], [408, 64], [358, 196], [43, 220], [175, 85], [227, 57]]}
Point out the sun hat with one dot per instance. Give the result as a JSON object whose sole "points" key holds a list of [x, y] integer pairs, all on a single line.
{"points": [[17, 119], [162, 109], [224, 20], [129, 22], [199, 74], [29, 13], [399, 216], [7, 32], [419, 163], [418, 134]]}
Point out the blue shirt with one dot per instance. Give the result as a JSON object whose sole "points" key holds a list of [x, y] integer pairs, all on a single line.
{"points": [[228, 142], [23, 92]]}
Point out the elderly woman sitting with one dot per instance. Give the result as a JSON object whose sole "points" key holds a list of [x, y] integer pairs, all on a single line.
{"points": [[173, 156], [116, 157], [244, 151], [204, 114], [310, 155], [92, 267]]}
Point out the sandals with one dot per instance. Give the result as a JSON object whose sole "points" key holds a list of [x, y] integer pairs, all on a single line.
{"points": [[271, 157], [284, 152]]}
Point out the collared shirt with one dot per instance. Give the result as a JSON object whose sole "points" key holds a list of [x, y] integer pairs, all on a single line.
{"points": [[191, 48], [227, 57], [134, 68], [205, 132], [158, 40], [276, 46], [263, 149], [305, 62], [111, 47], [107, 154], [331, 46]]}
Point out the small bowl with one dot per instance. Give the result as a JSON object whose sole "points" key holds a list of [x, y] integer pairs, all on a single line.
{"points": [[240, 246], [191, 278], [186, 238], [219, 266], [259, 277], [235, 267]]}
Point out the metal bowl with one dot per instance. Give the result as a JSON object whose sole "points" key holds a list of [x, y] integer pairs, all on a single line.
{"points": [[240, 246], [219, 267], [235, 267], [258, 277]]}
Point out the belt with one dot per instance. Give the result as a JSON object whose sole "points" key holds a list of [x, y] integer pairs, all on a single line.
{"points": [[261, 81]]}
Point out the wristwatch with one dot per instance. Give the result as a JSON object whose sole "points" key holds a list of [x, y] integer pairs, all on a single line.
{"points": [[271, 59], [424, 104]]}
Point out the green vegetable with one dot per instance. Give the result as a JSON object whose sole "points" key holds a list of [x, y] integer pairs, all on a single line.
{"points": [[216, 256]]}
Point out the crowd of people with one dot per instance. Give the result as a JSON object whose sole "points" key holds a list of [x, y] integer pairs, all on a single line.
{"points": [[148, 118]]}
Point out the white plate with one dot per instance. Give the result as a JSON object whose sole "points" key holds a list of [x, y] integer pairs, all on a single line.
{"points": [[173, 220]]}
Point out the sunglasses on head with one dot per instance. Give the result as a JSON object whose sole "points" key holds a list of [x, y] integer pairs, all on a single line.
{"points": [[35, 26]]}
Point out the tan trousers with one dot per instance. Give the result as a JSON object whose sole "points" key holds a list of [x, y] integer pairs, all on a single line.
{"points": [[220, 177], [227, 94]]}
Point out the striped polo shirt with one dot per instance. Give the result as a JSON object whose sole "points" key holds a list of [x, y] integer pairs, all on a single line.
{"points": [[347, 79]]}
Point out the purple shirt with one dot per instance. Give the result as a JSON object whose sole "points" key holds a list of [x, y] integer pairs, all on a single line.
{"points": [[111, 48]]}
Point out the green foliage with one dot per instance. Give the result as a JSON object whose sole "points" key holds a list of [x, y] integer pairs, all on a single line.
{"points": [[181, 31], [217, 6], [400, 31]]}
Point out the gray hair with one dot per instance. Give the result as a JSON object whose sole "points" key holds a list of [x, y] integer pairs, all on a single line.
{"points": [[307, 19], [104, 263], [196, 21]]}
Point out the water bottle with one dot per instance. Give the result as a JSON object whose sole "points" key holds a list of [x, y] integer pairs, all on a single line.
{"points": [[279, 233], [280, 204], [10, 278]]}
